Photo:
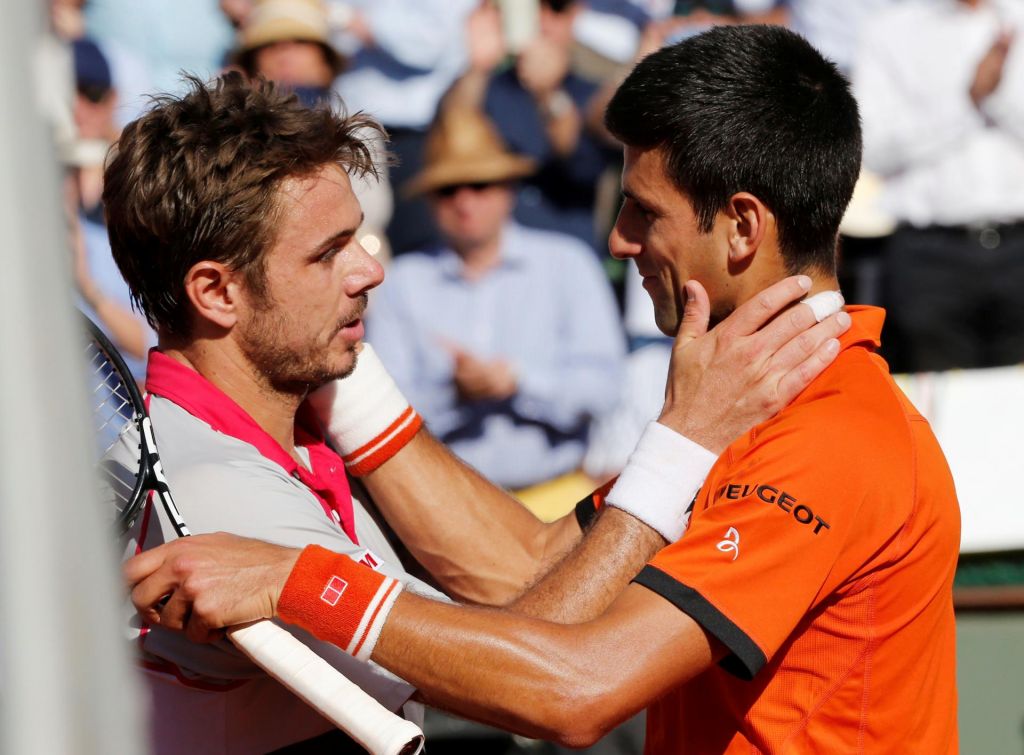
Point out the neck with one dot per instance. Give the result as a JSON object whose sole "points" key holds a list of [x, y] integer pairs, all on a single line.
{"points": [[822, 282], [220, 362], [478, 259]]}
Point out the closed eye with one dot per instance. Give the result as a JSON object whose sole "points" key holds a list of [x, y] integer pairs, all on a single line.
{"points": [[648, 214], [328, 254]]}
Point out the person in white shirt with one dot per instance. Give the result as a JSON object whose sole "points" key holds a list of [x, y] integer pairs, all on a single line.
{"points": [[941, 90]]}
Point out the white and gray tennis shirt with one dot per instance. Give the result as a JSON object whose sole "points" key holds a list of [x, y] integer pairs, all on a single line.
{"points": [[211, 699]]}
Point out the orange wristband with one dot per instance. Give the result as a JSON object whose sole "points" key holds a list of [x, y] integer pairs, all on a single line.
{"points": [[338, 600]]}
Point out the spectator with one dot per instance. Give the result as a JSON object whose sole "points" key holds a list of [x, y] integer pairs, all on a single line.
{"points": [[941, 87], [832, 27], [404, 56], [288, 42], [506, 338], [539, 105], [101, 291], [642, 392], [162, 39]]}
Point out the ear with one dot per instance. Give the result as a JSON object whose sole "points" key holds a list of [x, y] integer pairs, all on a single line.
{"points": [[748, 222], [214, 291]]}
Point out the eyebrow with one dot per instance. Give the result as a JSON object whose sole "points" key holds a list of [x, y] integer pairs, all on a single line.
{"points": [[647, 206], [340, 234]]}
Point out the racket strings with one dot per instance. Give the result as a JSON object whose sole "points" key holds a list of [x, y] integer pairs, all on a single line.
{"points": [[114, 415]]}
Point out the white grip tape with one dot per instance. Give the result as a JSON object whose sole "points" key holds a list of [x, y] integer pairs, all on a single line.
{"points": [[324, 688], [358, 408], [663, 475], [824, 304]]}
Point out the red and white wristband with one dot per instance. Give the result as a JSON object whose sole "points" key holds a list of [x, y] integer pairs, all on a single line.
{"points": [[659, 483], [365, 415], [338, 600]]}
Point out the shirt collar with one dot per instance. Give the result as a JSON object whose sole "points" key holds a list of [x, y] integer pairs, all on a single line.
{"points": [[172, 380], [865, 327]]}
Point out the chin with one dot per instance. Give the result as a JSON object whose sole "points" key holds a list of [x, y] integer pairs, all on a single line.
{"points": [[667, 322], [347, 369]]}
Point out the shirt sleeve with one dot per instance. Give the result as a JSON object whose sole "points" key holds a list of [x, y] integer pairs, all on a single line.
{"points": [[768, 542], [914, 103]]}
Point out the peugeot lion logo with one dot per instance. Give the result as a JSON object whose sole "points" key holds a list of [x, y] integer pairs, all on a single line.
{"points": [[731, 543]]}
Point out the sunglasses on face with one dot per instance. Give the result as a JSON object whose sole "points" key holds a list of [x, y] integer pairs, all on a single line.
{"points": [[451, 191], [93, 92]]}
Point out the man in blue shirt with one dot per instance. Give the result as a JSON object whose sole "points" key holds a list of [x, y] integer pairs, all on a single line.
{"points": [[506, 338], [540, 105]]}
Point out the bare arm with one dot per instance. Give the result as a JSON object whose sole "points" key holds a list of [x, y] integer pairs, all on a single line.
{"points": [[595, 573], [571, 684], [549, 680], [481, 544], [542, 68], [126, 328], [485, 48]]}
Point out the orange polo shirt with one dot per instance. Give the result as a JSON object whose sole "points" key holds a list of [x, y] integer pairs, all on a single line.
{"points": [[821, 552]]}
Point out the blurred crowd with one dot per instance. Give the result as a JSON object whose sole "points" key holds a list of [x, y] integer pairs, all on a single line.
{"points": [[526, 348]]}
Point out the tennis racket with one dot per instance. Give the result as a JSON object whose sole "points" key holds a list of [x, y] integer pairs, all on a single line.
{"points": [[118, 408]]}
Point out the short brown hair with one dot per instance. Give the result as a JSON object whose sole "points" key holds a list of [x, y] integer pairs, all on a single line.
{"points": [[196, 178]]}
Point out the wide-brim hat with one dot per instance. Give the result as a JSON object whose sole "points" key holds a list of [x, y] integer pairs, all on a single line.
{"points": [[464, 147], [287, 21]]}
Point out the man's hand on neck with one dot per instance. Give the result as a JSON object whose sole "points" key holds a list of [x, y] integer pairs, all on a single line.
{"points": [[713, 396]]}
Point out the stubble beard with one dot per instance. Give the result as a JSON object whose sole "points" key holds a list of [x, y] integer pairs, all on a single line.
{"points": [[670, 317], [287, 369]]}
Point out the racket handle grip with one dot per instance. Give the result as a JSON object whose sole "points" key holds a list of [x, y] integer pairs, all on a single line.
{"points": [[326, 689]]}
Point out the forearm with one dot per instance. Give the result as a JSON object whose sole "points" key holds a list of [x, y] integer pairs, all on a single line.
{"points": [[468, 91], [595, 573], [512, 672], [562, 122], [124, 327], [570, 684], [479, 542]]}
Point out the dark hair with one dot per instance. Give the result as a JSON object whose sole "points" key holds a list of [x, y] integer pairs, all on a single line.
{"points": [[756, 109], [196, 178]]}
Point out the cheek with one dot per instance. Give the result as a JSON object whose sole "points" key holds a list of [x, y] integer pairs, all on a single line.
{"points": [[445, 213]]}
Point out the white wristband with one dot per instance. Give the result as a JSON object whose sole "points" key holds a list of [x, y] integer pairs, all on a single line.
{"points": [[661, 479], [366, 416]]}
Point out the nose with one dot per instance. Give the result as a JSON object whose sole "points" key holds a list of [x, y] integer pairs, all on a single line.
{"points": [[464, 198], [364, 273], [620, 246]]}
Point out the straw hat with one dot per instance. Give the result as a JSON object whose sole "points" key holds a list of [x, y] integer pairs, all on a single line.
{"points": [[464, 147], [287, 21]]}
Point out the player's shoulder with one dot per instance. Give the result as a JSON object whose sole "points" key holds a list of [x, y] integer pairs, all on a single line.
{"points": [[855, 393], [851, 423], [211, 471]]}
